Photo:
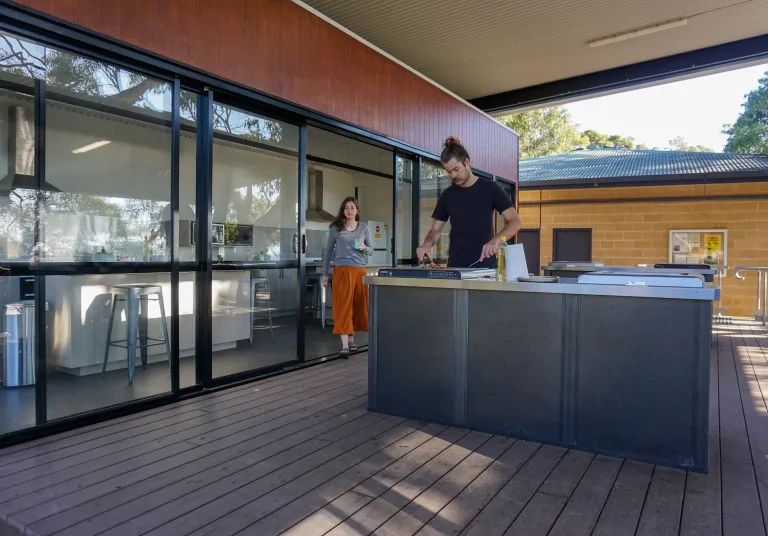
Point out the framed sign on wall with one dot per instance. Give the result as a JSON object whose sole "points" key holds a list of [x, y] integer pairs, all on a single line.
{"points": [[699, 246]]}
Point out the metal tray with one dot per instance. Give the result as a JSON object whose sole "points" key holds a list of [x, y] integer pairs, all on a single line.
{"points": [[538, 279]]}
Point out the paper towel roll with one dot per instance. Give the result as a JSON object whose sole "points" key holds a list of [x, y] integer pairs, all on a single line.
{"points": [[515, 259]]}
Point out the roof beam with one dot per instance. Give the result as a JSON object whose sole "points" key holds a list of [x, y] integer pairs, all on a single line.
{"points": [[651, 71]]}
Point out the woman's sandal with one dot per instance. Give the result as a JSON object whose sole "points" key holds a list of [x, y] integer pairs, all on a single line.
{"points": [[352, 346], [344, 354]]}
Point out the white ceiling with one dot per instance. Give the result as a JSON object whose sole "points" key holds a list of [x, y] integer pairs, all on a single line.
{"points": [[490, 46]]}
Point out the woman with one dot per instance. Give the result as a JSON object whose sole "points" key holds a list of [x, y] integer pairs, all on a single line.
{"points": [[352, 242]]}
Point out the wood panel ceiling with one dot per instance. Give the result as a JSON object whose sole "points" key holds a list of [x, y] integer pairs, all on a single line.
{"points": [[487, 47]]}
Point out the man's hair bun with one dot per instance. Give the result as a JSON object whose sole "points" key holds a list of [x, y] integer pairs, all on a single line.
{"points": [[451, 140]]}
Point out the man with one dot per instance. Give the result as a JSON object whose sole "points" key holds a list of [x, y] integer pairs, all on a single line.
{"points": [[469, 203]]}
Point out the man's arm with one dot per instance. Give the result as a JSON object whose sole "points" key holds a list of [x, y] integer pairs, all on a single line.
{"points": [[512, 225], [430, 239]]}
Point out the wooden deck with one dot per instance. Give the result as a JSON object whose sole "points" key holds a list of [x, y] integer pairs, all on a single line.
{"points": [[299, 454]]}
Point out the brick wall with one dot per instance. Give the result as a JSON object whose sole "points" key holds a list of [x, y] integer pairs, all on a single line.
{"points": [[628, 233]]}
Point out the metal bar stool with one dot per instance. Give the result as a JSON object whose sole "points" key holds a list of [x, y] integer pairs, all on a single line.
{"points": [[319, 292], [315, 282], [261, 284], [137, 298]]}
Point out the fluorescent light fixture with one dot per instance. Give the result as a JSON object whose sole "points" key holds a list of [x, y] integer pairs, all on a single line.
{"points": [[676, 23], [91, 146]]}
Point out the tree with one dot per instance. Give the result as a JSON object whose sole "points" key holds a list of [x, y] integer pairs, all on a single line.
{"points": [[642, 147], [679, 144], [545, 131], [622, 142], [599, 139], [749, 134]]}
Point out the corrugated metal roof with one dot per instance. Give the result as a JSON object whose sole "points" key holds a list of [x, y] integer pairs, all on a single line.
{"points": [[603, 165], [490, 46]]}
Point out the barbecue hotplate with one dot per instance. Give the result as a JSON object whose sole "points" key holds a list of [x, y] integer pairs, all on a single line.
{"points": [[439, 273]]}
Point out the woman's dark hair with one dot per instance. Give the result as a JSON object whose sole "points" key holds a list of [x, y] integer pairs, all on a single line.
{"points": [[452, 148], [340, 219]]}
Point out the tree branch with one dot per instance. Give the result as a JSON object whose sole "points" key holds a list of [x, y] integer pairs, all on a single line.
{"points": [[134, 94]]}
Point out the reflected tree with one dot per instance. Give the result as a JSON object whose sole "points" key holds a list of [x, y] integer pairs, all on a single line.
{"points": [[140, 220]]}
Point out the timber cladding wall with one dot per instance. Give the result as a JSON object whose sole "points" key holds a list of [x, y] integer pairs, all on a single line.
{"points": [[279, 48], [626, 233]]}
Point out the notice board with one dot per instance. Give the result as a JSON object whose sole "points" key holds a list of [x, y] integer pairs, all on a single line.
{"points": [[699, 246]]}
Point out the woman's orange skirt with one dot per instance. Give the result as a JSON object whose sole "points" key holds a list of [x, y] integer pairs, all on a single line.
{"points": [[350, 300]]}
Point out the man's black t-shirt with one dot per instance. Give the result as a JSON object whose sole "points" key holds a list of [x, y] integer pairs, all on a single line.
{"points": [[471, 213]]}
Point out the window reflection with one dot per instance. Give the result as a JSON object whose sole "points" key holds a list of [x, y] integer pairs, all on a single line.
{"points": [[434, 181], [106, 194], [404, 203]]}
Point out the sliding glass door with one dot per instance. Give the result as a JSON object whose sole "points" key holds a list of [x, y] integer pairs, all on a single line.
{"points": [[255, 241], [156, 238]]}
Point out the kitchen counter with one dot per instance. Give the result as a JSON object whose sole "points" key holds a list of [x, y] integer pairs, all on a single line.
{"points": [[567, 286], [79, 309], [613, 369]]}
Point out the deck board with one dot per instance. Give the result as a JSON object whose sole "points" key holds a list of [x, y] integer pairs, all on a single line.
{"points": [[299, 454]]}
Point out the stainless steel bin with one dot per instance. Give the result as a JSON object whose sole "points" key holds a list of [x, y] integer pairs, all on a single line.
{"points": [[19, 344]]}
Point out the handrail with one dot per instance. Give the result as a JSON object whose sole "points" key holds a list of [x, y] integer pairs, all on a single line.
{"points": [[748, 268], [761, 313]]}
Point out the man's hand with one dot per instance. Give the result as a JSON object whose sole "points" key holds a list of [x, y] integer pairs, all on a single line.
{"points": [[422, 251], [491, 248]]}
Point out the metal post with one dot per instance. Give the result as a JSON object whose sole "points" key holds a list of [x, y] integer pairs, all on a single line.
{"points": [[302, 245], [175, 192], [41, 321], [395, 201], [765, 297], [416, 210], [204, 274], [759, 312]]}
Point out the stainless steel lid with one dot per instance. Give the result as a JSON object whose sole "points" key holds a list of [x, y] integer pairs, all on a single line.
{"points": [[577, 265], [538, 279], [648, 279]]}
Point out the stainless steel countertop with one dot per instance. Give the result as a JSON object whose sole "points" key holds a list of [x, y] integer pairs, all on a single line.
{"points": [[708, 293], [703, 271]]}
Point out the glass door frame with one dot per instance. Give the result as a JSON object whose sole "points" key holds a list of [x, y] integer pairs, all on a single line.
{"points": [[41, 270], [204, 238]]}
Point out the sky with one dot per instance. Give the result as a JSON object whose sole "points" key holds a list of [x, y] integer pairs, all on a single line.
{"points": [[695, 109]]}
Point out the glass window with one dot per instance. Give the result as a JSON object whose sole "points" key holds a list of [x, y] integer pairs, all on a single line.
{"points": [[255, 241], [187, 238], [18, 196], [108, 176], [17, 353], [90, 320], [107, 187], [21, 61], [434, 181]]}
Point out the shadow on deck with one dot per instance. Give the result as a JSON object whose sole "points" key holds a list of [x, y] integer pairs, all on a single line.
{"points": [[299, 454]]}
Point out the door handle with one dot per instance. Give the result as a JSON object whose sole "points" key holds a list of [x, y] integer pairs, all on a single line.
{"points": [[304, 244]]}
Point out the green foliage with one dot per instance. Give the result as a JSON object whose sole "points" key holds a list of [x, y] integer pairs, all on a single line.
{"points": [[749, 134], [679, 144], [551, 131], [545, 131]]}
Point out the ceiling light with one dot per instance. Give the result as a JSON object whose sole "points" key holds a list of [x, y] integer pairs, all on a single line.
{"points": [[676, 23], [91, 146]]}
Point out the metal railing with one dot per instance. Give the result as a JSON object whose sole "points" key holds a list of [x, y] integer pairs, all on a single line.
{"points": [[761, 312]]}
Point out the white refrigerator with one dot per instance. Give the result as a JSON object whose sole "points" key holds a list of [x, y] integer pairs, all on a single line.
{"points": [[380, 241]]}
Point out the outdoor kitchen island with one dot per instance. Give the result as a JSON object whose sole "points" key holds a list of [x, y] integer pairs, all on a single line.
{"points": [[619, 369]]}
